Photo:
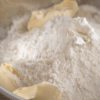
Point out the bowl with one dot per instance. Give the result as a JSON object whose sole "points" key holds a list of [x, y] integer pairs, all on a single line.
{"points": [[11, 9]]}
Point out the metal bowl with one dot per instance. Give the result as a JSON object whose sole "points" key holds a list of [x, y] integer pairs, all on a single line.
{"points": [[11, 9]]}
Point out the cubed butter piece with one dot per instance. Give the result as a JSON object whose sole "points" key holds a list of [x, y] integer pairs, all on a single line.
{"points": [[42, 91], [7, 80], [65, 8]]}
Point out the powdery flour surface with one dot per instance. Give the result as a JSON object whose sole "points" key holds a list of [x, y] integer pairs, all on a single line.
{"points": [[64, 52]]}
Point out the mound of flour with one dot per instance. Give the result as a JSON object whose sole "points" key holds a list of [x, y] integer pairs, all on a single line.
{"points": [[64, 52]]}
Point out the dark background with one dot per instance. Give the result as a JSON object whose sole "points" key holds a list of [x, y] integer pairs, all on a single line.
{"points": [[3, 97]]}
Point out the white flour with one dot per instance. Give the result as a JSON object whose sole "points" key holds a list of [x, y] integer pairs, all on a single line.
{"points": [[92, 14], [64, 52]]}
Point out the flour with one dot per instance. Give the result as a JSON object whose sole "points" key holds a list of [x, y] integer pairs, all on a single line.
{"points": [[64, 52], [92, 14]]}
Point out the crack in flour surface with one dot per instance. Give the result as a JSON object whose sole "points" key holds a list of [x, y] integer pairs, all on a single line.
{"points": [[64, 52]]}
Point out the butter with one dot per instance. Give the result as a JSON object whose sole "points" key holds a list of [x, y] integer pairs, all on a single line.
{"points": [[42, 91], [65, 8], [7, 73]]}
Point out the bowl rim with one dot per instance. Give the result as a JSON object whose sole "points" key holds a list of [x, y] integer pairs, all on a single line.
{"points": [[9, 94]]}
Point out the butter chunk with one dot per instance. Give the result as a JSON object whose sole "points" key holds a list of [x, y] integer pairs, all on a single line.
{"points": [[7, 73], [65, 8], [42, 91]]}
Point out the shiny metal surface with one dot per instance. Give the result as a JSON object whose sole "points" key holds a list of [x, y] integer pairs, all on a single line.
{"points": [[9, 95], [10, 9]]}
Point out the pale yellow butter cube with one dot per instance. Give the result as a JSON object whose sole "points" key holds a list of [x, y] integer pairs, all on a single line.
{"points": [[7, 73], [65, 8], [42, 91]]}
